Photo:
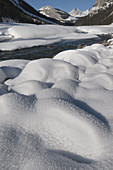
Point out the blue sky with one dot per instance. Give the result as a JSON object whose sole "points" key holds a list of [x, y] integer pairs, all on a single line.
{"points": [[66, 5]]}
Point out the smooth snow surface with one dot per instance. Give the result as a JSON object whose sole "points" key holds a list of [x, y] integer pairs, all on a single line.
{"points": [[57, 114]]}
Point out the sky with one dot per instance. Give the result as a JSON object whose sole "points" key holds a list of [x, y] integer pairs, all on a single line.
{"points": [[66, 5]]}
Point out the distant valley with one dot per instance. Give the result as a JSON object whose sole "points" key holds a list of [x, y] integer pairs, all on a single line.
{"points": [[19, 11]]}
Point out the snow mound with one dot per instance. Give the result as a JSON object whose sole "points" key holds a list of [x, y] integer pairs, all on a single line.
{"points": [[57, 114], [46, 70]]}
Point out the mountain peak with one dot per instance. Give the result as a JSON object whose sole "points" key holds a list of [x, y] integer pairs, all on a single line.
{"points": [[75, 9], [75, 12], [54, 13], [47, 7]]}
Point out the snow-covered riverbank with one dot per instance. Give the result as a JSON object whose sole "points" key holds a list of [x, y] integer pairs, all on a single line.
{"points": [[57, 114], [17, 36]]}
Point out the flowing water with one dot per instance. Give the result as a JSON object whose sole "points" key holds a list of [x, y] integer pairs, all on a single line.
{"points": [[49, 51]]}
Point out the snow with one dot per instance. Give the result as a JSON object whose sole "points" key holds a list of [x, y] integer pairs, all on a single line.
{"points": [[45, 8], [28, 35], [56, 114], [107, 29]]}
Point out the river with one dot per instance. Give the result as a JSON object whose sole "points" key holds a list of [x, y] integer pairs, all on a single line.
{"points": [[49, 51]]}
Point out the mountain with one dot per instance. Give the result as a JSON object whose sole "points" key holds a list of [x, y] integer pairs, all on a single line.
{"points": [[20, 11], [77, 13], [61, 16], [54, 13], [100, 14]]}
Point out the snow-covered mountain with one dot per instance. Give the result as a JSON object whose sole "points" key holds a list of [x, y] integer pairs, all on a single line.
{"points": [[77, 13], [54, 13], [57, 14], [20, 11], [101, 13], [101, 5], [102, 2]]}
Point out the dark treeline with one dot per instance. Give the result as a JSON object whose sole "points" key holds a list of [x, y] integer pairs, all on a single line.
{"points": [[8, 10]]}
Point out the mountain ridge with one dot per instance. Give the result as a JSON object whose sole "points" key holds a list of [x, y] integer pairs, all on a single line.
{"points": [[77, 13], [19, 11], [100, 14]]}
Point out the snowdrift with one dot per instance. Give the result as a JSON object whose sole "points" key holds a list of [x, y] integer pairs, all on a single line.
{"points": [[58, 113]]}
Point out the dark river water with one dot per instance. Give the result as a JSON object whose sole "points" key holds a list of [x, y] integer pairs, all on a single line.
{"points": [[49, 51]]}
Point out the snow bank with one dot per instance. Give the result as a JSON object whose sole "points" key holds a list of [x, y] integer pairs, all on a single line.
{"points": [[58, 113], [103, 29]]}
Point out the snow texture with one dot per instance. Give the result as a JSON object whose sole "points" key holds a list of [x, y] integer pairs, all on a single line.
{"points": [[57, 114]]}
